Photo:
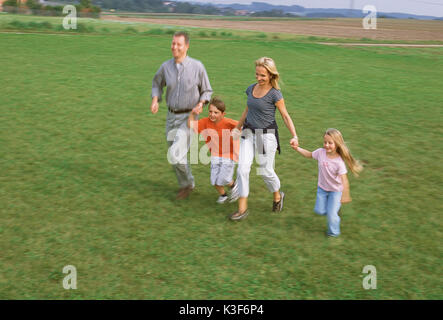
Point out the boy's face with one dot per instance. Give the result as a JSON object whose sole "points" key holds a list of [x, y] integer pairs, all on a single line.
{"points": [[215, 115]]}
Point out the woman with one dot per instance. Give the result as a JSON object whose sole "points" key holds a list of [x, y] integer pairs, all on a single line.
{"points": [[260, 136]]}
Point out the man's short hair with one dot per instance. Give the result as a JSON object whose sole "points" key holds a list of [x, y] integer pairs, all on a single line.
{"points": [[218, 103], [182, 34]]}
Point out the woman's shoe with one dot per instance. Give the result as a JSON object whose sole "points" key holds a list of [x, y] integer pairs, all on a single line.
{"points": [[278, 206], [237, 216]]}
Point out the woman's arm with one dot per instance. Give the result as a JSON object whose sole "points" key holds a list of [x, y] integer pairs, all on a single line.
{"points": [[235, 133], [288, 122], [242, 119], [346, 196]]}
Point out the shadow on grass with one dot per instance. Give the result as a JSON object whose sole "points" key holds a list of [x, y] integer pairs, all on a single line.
{"points": [[94, 178]]}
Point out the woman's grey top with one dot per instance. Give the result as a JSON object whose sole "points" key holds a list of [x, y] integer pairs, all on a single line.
{"points": [[261, 111]]}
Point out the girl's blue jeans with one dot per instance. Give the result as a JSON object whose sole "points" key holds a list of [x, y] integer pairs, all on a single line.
{"points": [[328, 203]]}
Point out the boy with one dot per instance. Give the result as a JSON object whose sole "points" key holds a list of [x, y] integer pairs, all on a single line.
{"points": [[216, 130]]}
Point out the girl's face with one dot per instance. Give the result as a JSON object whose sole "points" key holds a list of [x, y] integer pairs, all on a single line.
{"points": [[262, 75], [329, 144], [215, 115]]}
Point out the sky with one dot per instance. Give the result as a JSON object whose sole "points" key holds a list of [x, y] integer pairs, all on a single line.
{"points": [[419, 7]]}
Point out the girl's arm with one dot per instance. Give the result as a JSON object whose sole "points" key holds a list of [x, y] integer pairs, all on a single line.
{"points": [[288, 122], [303, 152], [346, 196]]}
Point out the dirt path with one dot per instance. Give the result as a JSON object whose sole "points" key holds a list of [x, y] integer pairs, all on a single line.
{"points": [[387, 29]]}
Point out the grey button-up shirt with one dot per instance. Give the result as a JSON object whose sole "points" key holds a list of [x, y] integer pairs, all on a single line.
{"points": [[185, 86]]}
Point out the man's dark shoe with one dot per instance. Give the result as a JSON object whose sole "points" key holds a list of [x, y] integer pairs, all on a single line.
{"points": [[278, 206], [183, 193]]}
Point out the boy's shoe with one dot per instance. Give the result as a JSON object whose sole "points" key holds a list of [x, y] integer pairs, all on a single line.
{"points": [[278, 206], [222, 199], [236, 217]]}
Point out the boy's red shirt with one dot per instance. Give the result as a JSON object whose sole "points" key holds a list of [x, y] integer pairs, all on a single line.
{"points": [[224, 146]]}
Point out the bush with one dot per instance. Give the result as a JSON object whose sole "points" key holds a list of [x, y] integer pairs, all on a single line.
{"points": [[262, 35], [81, 27], [202, 34], [18, 24], [45, 25], [130, 30], [105, 30], [213, 33], [170, 31], [226, 34], [154, 32]]}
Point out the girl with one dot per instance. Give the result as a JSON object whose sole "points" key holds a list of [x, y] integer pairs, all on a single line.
{"points": [[259, 136], [333, 185]]}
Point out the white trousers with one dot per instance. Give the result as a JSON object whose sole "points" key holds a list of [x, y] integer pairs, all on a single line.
{"points": [[249, 148]]}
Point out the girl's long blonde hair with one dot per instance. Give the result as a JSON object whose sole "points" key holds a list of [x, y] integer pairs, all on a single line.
{"points": [[269, 65], [343, 151]]}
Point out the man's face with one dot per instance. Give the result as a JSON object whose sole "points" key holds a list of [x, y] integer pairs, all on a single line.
{"points": [[179, 47]]}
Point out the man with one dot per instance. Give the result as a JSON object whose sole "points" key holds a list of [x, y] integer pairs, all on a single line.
{"points": [[188, 89]]}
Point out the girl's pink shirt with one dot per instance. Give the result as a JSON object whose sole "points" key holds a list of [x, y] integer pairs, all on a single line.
{"points": [[329, 171]]}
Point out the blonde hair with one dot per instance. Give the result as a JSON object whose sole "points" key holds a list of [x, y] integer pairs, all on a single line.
{"points": [[344, 152], [269, 65]]}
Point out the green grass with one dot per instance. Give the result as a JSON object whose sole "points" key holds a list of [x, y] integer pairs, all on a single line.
{"points": [[84, 178], [38, 24]]}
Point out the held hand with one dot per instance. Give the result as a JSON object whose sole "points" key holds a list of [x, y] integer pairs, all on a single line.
{"points": [[198, 108], [235, 133], [154, 107], [294, 143], [346, 199]]}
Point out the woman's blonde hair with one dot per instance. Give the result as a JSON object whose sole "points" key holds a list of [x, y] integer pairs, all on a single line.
{"points": [[269, 65], [343, 151]]}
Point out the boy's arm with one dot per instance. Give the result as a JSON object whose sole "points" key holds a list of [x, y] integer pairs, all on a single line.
{"points": [[346, 196], [191, 120], [303, 152]]}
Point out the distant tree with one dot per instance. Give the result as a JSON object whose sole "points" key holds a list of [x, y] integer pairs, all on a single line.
{"points": [[10, 3], [33, 4]]}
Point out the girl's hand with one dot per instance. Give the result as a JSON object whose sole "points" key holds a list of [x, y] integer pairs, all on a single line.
{"points": [[294, 143], [345, 199]]}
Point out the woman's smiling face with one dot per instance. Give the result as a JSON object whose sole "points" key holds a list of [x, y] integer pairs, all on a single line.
{"points": [[262, 75]]}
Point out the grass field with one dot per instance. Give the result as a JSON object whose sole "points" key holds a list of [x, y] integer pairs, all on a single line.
{"points": [[84, 179]]}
